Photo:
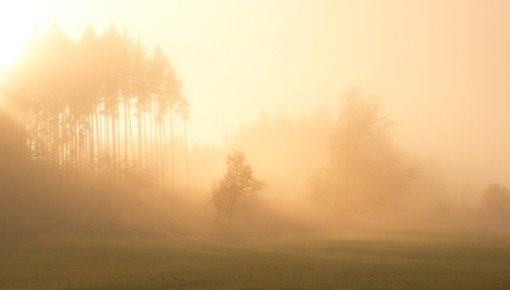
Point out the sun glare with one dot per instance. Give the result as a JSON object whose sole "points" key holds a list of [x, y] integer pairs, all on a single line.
{"points": [[17, 21]]}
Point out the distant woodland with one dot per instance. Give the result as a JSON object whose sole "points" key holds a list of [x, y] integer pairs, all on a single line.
{"points": [[94, 141]]}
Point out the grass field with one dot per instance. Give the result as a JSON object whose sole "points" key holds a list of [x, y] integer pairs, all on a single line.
{"points": [[389, 260]]}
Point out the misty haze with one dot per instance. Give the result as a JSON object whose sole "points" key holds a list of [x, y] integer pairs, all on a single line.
{"points": [[230, 144]]}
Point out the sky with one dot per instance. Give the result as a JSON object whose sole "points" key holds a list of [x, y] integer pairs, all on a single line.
{"points": [[440, 69]]}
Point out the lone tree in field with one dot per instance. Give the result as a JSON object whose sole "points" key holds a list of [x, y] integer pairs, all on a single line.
{"points": [[237, 182]]}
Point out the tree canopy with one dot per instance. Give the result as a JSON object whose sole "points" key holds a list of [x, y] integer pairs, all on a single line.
{"points": [[99, 103], [237, 182], [366, 169]]}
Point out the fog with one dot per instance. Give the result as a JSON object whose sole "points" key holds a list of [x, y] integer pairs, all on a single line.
{"points": [[255, 121], [319, 174]]}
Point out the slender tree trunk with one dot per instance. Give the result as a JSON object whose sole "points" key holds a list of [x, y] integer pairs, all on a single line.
{"points": [[114, 141], [114, 144], [131, 141], [140, 147], [98, 135], [108, 143], [54, 138], [161, 149], [172, 149], [145, 140], [126, 132], [91, 141], [186, 150], [154, 140], [164, 146], [76, 140], [119, 143]]}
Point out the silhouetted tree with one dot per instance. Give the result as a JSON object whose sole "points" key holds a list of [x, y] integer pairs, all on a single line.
{"points": [[237, 182], [495, 204], [366, 170], [184, 110]]}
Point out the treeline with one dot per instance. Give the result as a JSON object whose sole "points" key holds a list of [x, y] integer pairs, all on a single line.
{"points": [[99, 103], [346, 160], [297, 143]]}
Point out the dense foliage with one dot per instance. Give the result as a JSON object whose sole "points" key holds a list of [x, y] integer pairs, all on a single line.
{"points": [[237, 182]]}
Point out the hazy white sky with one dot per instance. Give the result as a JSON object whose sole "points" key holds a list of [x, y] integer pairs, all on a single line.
{"points": [[441, 69]]}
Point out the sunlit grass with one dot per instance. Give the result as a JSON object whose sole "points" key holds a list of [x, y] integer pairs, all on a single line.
{"points": [[397, 260]]}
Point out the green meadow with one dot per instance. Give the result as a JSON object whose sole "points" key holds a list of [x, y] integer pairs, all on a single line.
{"points": [[434, 259]]}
